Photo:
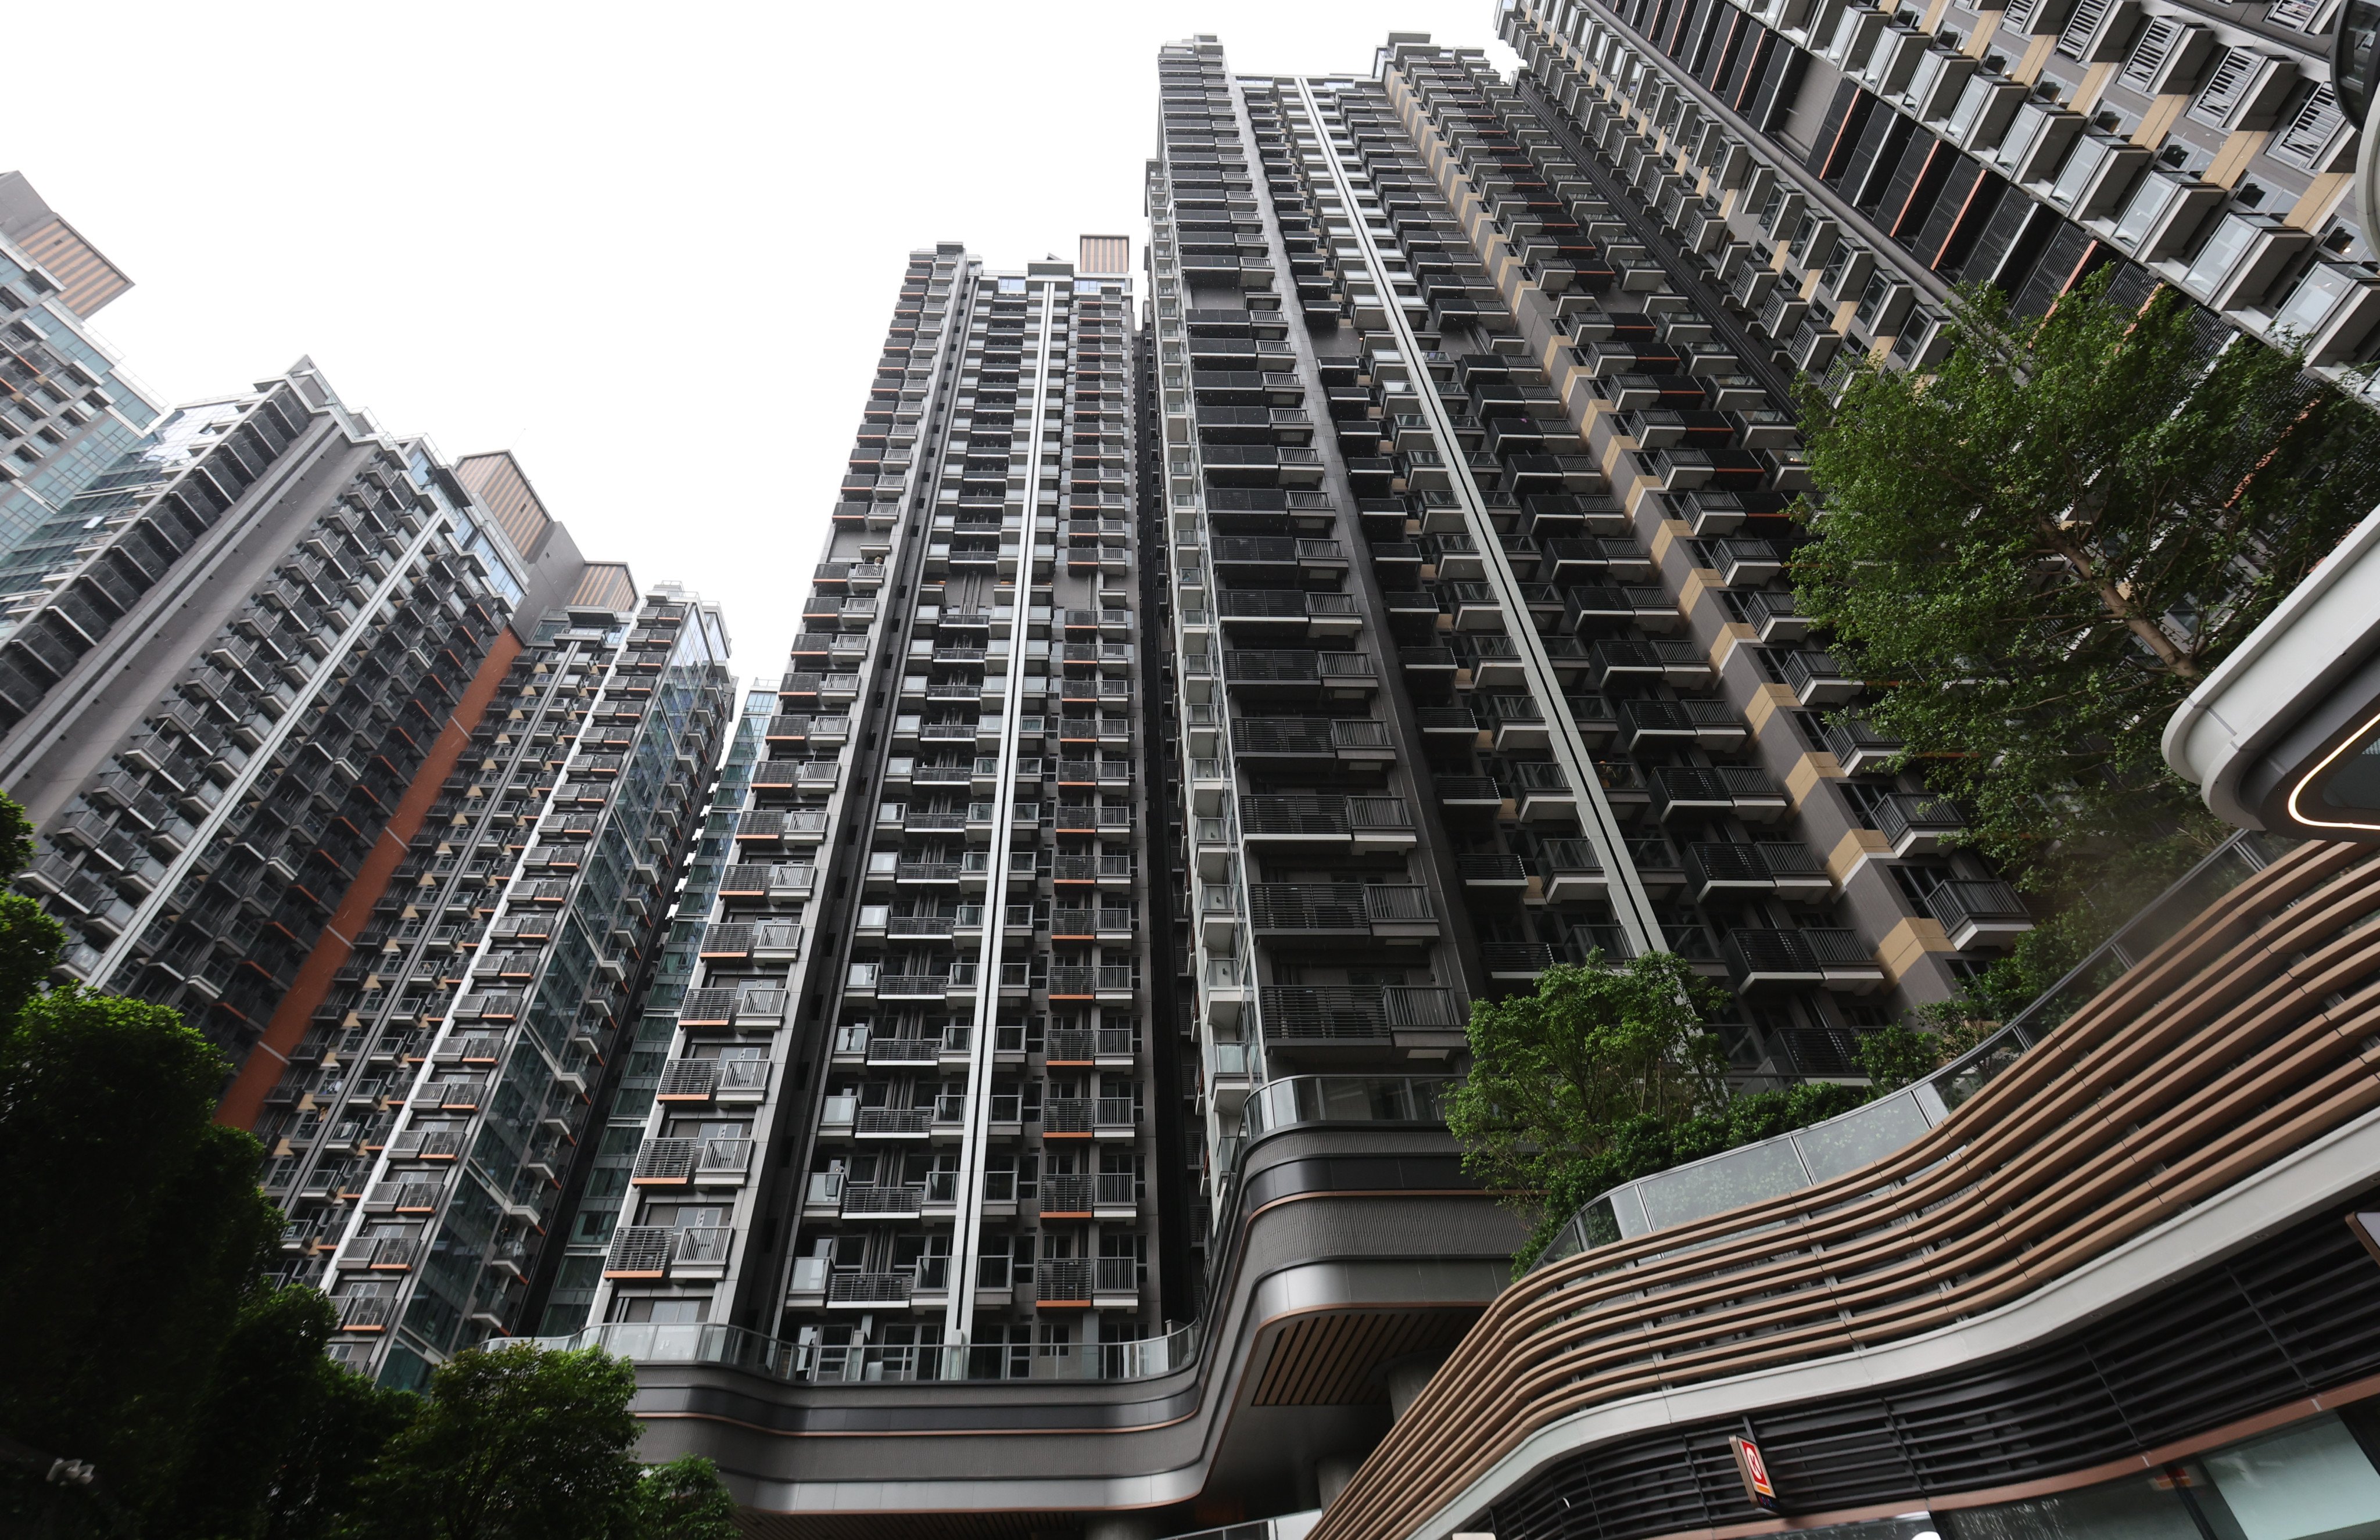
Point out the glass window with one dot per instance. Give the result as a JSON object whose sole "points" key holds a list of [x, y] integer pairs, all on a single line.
{"points": [[2315, 300], [2309, 1479], [2218, 256]]}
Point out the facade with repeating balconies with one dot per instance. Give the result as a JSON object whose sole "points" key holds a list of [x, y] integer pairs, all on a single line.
{"points": [[221, 690], [1829, 170], [456, 1092], [67, 412], [1190, 723]]}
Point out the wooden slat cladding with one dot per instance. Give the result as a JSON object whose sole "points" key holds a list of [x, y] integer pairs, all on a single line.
{"points": [[86, 281], [1333, 1360], [2248, 1034]]}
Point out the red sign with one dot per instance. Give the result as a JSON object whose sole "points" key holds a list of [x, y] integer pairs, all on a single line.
{"points": [[1755, 1471]]}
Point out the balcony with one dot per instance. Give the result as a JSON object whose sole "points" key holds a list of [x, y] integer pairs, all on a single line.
{"points": [[1326, 821], [1293, 611], [900, 1049], [1082, 1282], [1305, 1016], [1092, 983], [1830, 959], [1310, 738], [1686, 793], [892, 1122], [1650, 724], [1778, 866], [1745, 564], [1816, 679], [1341, 909], [1516, 959], [777, 884], [654, 1250], [1618, 662], [694, 1080], [1773, 618], [1299, 672], [1491, 873], [905, 1201], [672, 1162], [1978, 914], [1858, 748], [1918, 825], [1570, 870], [1105, 1044], [864, 1291]]}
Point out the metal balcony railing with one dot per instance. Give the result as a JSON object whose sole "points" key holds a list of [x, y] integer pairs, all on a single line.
{"points": [[1912, 820], [1858, 746], [1969, 910], [901, 1201]]}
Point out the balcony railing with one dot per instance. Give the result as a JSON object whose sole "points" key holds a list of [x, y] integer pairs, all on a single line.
{"points": [[1355, 1013], [1972, 912], [1914, 823]]}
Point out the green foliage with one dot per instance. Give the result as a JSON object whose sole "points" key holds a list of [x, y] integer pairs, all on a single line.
{"points": [[144, 1341], [2041, 549], [684, 1500], [1603, 1075], [515, 1443], [1896, 1055], [277, 1441], [348, 1420], [135, 1227], [1556, 1075]]}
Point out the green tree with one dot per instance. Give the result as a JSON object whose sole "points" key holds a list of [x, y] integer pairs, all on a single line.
{"points": [[277, 1442], [684, 1500], [1602, 1077], [2036, 552], [1893, 1055], [348, 1420], [1557, 1077], [135, 1225], [518, 1443]]}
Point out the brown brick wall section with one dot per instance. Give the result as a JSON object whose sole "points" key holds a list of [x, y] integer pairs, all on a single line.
{"points": [[257, 1077]]}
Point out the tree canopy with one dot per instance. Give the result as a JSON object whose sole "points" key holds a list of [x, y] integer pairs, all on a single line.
{"points": [[1603, 1075], [519, 1443], [2035, 553]]}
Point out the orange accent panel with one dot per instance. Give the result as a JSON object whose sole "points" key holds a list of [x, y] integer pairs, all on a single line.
{"points": [[244, 1100]]}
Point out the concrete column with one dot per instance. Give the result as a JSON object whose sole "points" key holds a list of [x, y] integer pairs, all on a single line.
{"points": [[1406, 1377], [1331, 1474]]}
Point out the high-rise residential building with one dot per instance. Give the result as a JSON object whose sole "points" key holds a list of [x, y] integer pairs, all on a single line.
{"points": [[922, 977], [563, 1301], [350, 755], [447, 1105], [1401, 614], [66, 410], [1829, 170], [226, 661]]}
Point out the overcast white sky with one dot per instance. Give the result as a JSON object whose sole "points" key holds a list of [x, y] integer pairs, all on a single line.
{"points": [[651, 249]]}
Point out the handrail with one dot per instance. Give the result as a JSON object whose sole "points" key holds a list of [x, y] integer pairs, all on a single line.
{"points": [[1822, 1151]]}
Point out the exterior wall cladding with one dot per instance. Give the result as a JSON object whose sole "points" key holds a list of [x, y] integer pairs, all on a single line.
{"points": [[1193, 717]]}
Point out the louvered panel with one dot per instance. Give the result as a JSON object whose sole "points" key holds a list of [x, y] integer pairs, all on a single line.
{"points": [[2227, 86], [2295, 1314], [2076, 40], [2312, 137]]}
